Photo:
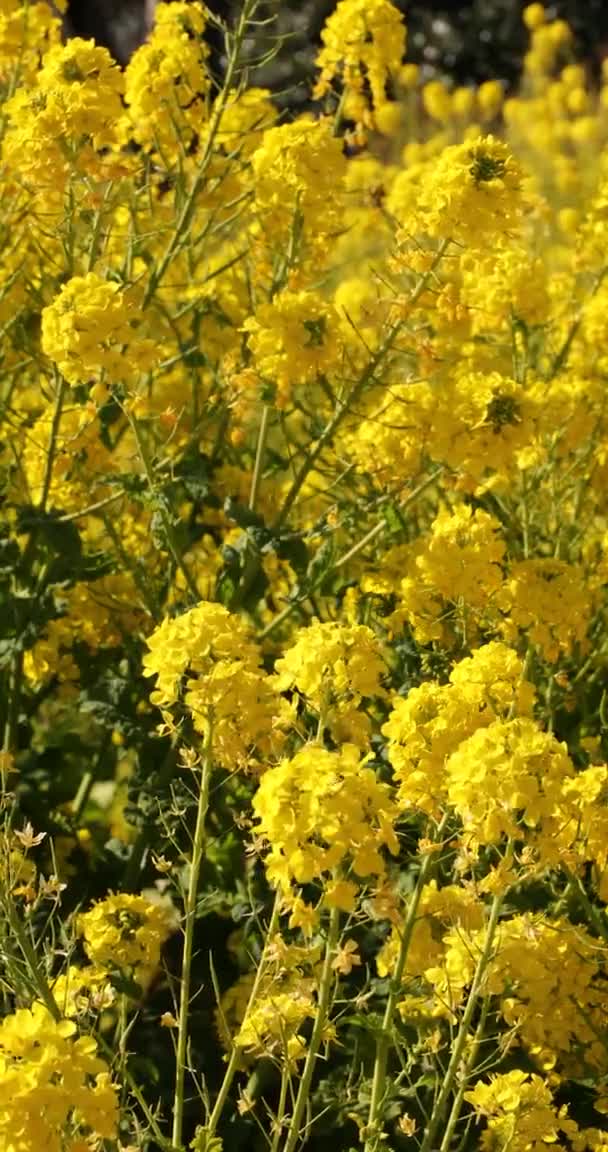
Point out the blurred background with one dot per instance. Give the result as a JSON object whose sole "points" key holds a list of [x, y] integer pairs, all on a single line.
{"points": [[468, 43]]}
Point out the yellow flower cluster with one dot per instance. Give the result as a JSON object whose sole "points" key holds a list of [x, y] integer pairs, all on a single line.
{"points": [[63, 122], [323, 813], [90, 332], [474, 191], [334, 667], [207, 660], [363, 46], [54, 1088], [429, 725], [169, 73], [124, 932]]}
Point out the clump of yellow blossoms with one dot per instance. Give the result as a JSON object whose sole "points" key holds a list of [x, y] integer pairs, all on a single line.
{"points": [[166, 80], [65, 121], [322, 813], [549, 600], [520, 1111], [506, 780], [53, 1085], [90, 331], [294, 340], [333, 668], [124, 932], [273, 1025], [207, 661], [363, 46], [457, 565], [434, 720], [298, 171], [473, 191], [25, 32]]}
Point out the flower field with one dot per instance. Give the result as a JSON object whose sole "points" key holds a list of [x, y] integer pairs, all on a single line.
{"points": [[303, 597]]}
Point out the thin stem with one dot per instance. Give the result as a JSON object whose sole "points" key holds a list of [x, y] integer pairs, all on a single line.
{"points": [[460, 1043], [27, 951], [180, 231], [280, 1116], [235, 1055], [70, 516], [50, 456], [167, 525], [345, 407], [456, 1109], [384, 1041], [324, 998], [346, 556], [189, 922], [564, 352], [160, 1138], [16, 674], [259, 457], [381, 525]]}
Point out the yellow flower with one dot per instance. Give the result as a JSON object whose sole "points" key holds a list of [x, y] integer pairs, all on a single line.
{"points": [[166, 80], [125, 931], [506, 780], [363, 45], [54, 1081], [473, 192], [89, 329], [321, 810], [347, 958], [206, 661]]}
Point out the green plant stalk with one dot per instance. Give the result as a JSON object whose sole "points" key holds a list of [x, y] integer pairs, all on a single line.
{"points": [[198, 849], [27, 951], [235, 1055], [323, 1004], [16, 674], [181, 228], [456, 1109], [161, 1139], [167, 525], [453, 1068], [259, 457], [564, 352], [280, 1116], [52, 448], [384, 1041], [344, 408], [381, 525], [369, 536]]}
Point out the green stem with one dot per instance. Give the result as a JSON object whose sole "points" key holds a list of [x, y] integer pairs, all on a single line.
{"points": [[259, 457], [160, 1138], [166, 519], [16, 674], [234, 1061], [180, 232], [29, 955], [384, 1041], [345, 407], [280, 1116], [456, 1109], [347, 556], [564, 352], [323, 1005], [198, 849], [382, 525], [454, 1066], [50, 456]]}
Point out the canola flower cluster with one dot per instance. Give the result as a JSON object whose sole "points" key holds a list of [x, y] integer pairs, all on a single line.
{"points": [[304, 556]]}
